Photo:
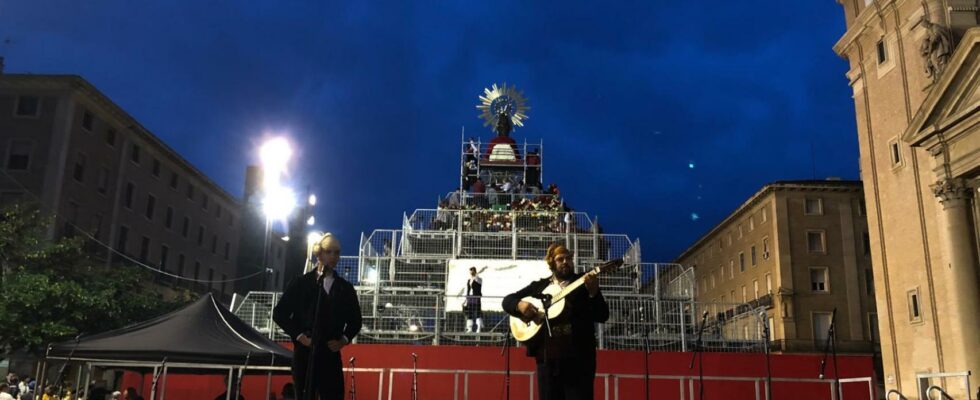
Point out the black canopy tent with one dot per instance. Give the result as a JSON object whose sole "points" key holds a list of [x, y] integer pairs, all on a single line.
{"points": [[202, 336]]}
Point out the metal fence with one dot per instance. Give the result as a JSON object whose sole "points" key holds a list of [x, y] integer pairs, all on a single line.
{"points": [[636, 321]]}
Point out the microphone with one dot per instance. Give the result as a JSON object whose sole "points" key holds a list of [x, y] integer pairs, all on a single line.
{"points": [[415, 357], [351, 361]]}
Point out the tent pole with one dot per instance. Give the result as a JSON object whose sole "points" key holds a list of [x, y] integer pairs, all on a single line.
{"points": [[268, 376], [88, 379], [153, 388], [231, 374], [163, 388], [42, 379], [78, 382]]}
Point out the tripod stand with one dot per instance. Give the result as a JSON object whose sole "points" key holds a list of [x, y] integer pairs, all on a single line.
{"points": [[353, 386], [506, 353], [699, 354], [831, 348], [415, 377]]}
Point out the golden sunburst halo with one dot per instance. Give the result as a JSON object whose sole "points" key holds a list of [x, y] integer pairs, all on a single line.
{"points": [[495, 99]]}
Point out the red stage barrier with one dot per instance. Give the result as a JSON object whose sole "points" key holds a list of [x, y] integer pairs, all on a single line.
{"points": [[476, 373]]}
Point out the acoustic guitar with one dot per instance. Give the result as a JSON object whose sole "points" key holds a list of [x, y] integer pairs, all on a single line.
{"points": [[524, 331]]}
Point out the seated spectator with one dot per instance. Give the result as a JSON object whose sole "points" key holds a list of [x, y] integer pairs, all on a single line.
{"points": [[288, 392]]}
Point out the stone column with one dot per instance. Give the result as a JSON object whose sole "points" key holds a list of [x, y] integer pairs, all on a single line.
{"points": [[959, 278]]}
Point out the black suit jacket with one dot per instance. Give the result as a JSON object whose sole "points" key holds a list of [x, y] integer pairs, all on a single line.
{"points": [[340, 313], [581, 312]]}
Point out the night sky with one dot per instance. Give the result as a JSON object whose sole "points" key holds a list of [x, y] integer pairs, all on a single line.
{"points": [[660, 117]]}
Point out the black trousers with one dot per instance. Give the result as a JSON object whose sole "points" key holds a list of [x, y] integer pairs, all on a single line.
{"points": [[328, 373], [570, 378]]}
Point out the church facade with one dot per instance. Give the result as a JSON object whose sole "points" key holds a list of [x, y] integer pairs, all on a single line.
{"points": [[914, 67]]}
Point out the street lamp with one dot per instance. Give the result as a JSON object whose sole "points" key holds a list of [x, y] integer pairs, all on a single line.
{"points": [[277, 201]]}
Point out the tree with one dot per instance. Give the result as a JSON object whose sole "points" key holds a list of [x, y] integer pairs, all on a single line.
{"points": [[54, 290]]}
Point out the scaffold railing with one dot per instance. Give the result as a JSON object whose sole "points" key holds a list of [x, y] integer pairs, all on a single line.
{"points": [[431, 317], [489, 220]]}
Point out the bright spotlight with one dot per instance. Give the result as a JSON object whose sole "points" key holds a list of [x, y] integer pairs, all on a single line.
{"points": [[278, 203], [310, 221], [313, 237], [413, 328], [312, 200], [275, 153], [285, 238]]}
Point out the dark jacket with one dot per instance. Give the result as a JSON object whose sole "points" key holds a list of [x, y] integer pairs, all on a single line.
{"points": [[581, 312], [340, 313]]}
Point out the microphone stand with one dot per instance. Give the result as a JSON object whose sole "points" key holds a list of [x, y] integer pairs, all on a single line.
{"points": [[831, 348], [238, 385], [353, 387], [156, 378], [506, 353], [308, 385], [700, 355], [646, 356], [415, 375], [766, 336], [61, 372]]}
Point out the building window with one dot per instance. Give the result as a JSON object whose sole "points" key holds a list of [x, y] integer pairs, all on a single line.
{"points": [[88, 120], [204, 201], [173, 180], [895, 152], [110, 137], [755, 288], [739, 231], [753, 255], [744, 294], [210, 278], [214, 244], [19, 155], [151, 203], [869, 282], [200, 235], [185, 227], [765, 214], [914, 314], [28, 106], [122, 239], [168, 220], [815, 242], [882, 51], [768, 283], [164, 252], [873, 328], [712, 281], [821, 327], [156, 168], [180, 265], [227, 251], [103, 181], [741, 262], [197, 270], [190, 191], [818, 280], [78, 173], [134, 154], [866, 243], [731, 269], [218, 211], [765, 248], [751, 224], [144, 249], [814, 206], [128, 195]]}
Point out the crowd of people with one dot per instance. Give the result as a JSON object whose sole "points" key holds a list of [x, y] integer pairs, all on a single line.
{"points": [[14, 388], [534, 212]]}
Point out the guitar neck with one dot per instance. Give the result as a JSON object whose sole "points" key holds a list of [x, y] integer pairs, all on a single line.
{"points": [[572, 286]]}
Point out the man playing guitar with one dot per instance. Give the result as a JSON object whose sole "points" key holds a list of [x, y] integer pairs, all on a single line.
{"points": [[566, 360]]}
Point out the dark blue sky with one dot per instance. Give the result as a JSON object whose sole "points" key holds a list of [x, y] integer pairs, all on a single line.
{"points": [[625, 96]]}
